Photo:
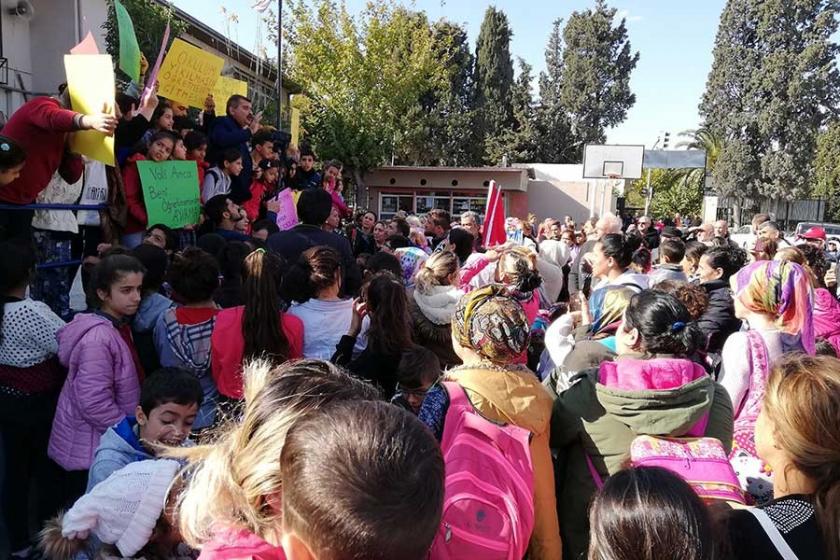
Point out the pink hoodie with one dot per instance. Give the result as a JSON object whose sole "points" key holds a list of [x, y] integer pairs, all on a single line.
{"points": [[827, 317], [234, 544]]}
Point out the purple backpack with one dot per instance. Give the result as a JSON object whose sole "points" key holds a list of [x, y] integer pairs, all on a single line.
{"points": [[488, 508]]}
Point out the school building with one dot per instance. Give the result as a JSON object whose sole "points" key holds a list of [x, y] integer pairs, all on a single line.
{"points": [[545, 190], [33, 45]]}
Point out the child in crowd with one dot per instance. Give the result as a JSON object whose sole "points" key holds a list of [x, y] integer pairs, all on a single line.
{"points": [[417, 374], [217, 179], [671, 255], [182, 334], [257, 329], [128, 514], [231, 256], [370, 517], [161, 236], [649, 512], [169, 401], [163, 120], [103, 384], [159, 149], [12, 160], [314, 284], [30, 378], [694, 250], [239, 516], [264, 228], [152, 306], [262, 189], [179, 152], [196, 144]]}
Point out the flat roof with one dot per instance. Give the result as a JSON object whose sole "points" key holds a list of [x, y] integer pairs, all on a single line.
{"points": [[441, 169]]}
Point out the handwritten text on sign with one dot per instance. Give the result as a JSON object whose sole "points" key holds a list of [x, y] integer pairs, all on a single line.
{"points": [[170, 190], [188, 74]]}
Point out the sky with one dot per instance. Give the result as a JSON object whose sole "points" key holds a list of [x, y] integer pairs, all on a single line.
{"points": [[674, 38]]}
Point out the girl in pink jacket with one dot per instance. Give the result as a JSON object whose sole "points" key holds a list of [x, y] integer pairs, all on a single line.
{"points": [[102, 385]]}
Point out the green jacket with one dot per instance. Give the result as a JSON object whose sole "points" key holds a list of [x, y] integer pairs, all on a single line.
{"points": [[602, 421]]}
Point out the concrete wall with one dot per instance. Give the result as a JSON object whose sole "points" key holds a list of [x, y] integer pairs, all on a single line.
{"points": [[446, 178], [559, 190]]}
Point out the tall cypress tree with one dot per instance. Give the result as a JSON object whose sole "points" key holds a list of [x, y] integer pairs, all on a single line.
{"points": [[493, 76], [556, 143], [518, 142], [773, 84], [595, 81]]}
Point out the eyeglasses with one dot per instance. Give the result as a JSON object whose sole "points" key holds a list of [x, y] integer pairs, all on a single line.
{"points": [[406, 392]]}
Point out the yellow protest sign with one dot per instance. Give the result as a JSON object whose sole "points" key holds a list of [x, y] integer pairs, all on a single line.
{"points": [[225, 87], [188, 74], [295, 125], [90, 82]]}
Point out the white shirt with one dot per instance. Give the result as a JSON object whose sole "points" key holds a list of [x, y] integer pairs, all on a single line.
{"points": [[736, 363], [28, 333], [324, 323]]}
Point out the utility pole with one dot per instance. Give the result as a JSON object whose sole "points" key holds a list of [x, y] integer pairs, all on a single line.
{"points": [[278, 102], [665, 139]]}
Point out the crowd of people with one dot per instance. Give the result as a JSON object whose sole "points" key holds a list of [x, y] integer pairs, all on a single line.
{"points": [[352, 387]]}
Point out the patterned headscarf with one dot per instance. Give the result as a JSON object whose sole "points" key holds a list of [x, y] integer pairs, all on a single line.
{"points": [[607, 307], [782, 289], [491, 323]]}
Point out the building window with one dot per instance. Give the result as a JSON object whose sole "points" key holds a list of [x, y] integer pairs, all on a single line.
{"points": [[421, 202], [390, 204]]}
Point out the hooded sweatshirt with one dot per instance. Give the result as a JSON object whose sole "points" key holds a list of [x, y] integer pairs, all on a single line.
{"points": [[431, 318], [517, 397], [119, 446], [608, 407], [235, 544], [102, 388]]}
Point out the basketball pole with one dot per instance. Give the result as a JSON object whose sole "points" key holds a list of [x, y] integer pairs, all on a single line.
{"points": [[649, 196]]}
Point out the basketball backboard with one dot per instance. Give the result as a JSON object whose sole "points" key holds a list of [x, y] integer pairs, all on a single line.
{"points": [[612, 161]]}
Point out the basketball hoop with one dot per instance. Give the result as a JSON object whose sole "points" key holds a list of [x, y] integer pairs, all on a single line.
{"points": [[614, 177]]}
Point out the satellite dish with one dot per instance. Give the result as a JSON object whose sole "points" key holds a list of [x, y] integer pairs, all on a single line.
{"points": [[23, 9]]}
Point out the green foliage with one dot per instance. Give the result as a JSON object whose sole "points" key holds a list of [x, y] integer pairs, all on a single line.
{"points": [[827, 168], [361, 77], [773, 84], [594, 87], [551, 124], [150, 19], [493, 79], [674, 191], [518, 142]]}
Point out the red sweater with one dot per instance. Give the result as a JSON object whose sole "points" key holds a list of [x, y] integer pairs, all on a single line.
{"points": [[137, 219], [40, 126], [228, 346]]}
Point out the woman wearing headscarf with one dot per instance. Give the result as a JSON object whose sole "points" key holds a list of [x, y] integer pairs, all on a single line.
{"points": [[651, 388], [776, 300], [490, 335]]}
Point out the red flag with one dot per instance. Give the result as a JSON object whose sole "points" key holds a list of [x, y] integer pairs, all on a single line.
{"points": [[494, 217]]}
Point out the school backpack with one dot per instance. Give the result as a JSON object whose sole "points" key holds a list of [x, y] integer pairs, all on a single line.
{"points": [[488, 508]]}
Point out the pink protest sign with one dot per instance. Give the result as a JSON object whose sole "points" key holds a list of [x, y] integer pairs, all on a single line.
{"points": [[287, 217], [151, 79], [86, 46]]}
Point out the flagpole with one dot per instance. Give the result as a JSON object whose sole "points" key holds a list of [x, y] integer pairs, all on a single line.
{"points": [[279, 61]]}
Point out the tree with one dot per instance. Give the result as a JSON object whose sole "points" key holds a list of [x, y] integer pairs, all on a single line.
{"points": [[827, 168], [149, 18], [517, 143], [361, 77], [595, 80], [674, 192], [493, 77], [551, 124], [773, 85]]}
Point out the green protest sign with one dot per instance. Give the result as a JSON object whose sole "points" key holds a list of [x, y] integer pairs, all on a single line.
{"points": [[170, 190], [129, 49]]}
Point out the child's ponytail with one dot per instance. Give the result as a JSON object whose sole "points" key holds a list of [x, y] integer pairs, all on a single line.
{"points": [[54, 545], [261, 278], [11, 153]]}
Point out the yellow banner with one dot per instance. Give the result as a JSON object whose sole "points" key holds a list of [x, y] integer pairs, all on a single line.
{"points": [[226, 87], [188, 74], [90, 82], [295, 125]]}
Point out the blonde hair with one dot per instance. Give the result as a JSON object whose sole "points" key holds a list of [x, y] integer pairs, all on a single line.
{"points": [[233, 477], [517, 268], [436, 271], [802, 402]]}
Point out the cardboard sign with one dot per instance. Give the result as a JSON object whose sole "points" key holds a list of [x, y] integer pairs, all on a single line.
{"points": [[129, 49], [287, 217], [86, 46], [170, 191], [90, 82], [188, 74], [225, 87]]}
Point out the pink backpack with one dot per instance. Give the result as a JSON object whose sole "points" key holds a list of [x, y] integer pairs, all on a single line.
{"points": [[488, 507]]}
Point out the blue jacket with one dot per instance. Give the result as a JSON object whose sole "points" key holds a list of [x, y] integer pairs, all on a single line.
{"points": [[118, 447], [225, 134]]}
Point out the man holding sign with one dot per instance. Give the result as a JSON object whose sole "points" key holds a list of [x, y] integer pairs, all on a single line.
{"points": [[234, 130], [42, 127]]}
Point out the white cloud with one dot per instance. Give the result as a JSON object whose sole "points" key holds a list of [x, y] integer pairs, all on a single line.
{"points": [[625, 14]]}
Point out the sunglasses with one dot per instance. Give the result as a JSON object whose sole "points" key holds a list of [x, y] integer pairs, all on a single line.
{"points": [[406, 392]]}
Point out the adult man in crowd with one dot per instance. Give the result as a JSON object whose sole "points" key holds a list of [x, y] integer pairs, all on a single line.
{"points": [[225, 214], [609, 223], [438, 226], [722, 230], [235, 130], [814, 236], [648, 233], [41, 126], [471, 222], [705, 233], [314, 207], [770, 231]]}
